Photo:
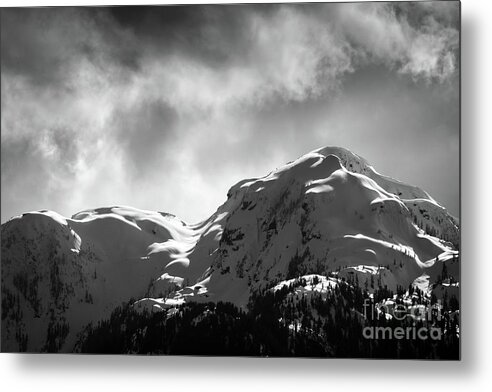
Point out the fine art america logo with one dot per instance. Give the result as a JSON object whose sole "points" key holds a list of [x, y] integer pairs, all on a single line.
{"points": [[417, 321]]}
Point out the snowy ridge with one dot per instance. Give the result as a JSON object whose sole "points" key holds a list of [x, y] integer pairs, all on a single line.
{"points": [[328, 213], [357, 164]]}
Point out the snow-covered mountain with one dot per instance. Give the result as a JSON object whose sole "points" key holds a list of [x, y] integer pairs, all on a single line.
{"points": [[327, 213]]}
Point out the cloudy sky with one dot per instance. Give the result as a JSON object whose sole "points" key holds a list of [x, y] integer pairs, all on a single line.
{"points": [[165, 108]]}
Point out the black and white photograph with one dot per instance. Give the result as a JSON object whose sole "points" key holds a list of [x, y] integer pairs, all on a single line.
{"points": [[254, 180]]}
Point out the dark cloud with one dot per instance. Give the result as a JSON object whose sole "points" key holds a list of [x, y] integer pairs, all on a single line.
{"points": [[446, 13], [27, 47], [213, 34], [42, 44]]}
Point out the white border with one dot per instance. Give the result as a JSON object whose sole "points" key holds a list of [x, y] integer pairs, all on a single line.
{"points": [[474, 372]]}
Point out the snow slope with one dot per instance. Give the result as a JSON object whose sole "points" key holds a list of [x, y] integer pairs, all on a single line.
{"points": [[327, 212]]}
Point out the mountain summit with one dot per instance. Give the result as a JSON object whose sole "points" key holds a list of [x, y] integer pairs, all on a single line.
{"points": [[328, 216]]}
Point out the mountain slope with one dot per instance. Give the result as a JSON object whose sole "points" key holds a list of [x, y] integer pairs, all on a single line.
{"points": [[315, 216]]}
